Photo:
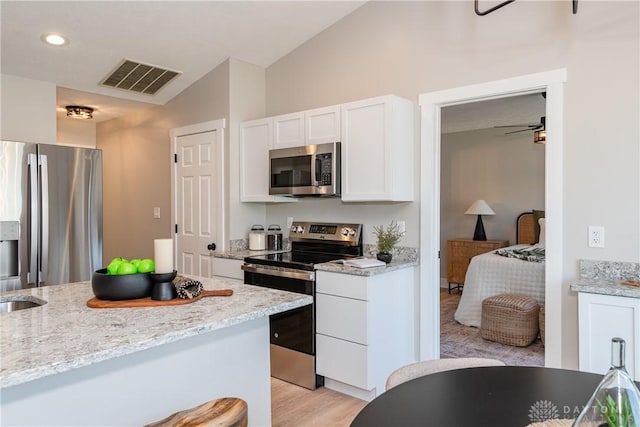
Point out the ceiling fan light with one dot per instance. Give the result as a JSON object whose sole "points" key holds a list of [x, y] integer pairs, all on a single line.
{"points": [[79, 112], [540, 136]]}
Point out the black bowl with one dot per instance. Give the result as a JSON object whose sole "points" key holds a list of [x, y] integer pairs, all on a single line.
{"points": [[121, 287]]}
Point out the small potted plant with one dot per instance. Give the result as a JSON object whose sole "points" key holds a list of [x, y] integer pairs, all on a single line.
{"points": [[388, 237]]}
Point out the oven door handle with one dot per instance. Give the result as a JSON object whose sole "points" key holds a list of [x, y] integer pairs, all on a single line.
{"points": [[303, 275]]}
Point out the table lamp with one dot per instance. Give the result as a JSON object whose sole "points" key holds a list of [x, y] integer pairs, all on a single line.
{"points": [[479, 207]]}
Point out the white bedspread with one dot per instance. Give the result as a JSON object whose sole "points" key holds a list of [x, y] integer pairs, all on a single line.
{"points": [[490, 274]]}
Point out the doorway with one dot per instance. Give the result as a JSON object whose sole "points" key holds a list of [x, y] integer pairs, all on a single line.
{"points": [[551, 82], [198, 196], [488, 153]]}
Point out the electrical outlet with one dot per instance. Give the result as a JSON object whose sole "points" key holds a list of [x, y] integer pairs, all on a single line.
{"points": [[156, 212], [401, 226], [596, 237], [289, 222]]}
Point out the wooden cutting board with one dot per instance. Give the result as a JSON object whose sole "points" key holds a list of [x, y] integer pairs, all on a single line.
{"points": [[148, 302]]}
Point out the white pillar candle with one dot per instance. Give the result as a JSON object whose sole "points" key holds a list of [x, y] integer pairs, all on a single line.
{"points": [[163, 251]]}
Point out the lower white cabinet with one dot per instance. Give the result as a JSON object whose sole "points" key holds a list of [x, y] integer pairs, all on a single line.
{"points": [[365, 329], [602, 317], [227, 267]]}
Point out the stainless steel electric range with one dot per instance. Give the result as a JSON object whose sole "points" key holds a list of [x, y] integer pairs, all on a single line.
{"points": [[293, 332]]}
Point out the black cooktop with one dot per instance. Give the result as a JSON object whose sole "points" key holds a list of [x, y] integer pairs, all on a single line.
{"points": [[297, 260]]}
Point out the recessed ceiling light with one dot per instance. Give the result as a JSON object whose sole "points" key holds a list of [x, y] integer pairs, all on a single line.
{"points": [[54, 39]]}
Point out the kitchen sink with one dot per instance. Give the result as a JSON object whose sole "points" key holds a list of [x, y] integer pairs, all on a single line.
{"points": [[19, 302]]}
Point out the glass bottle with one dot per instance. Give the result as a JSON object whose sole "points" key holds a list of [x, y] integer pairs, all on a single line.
{"points": [[616, 401]]}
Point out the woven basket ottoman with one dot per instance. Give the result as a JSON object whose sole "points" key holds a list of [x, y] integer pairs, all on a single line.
{"points": [[510, 319]]}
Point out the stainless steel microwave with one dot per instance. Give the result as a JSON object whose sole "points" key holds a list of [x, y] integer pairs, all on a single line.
{"points": [[310, 170]]}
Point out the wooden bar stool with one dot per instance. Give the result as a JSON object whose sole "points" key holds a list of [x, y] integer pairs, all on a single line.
{"points": [[225, 412]]}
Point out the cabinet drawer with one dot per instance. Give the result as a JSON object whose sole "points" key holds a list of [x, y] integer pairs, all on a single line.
{"points": [[343, 318], [344, 285], [342, 361], [228, 268]]}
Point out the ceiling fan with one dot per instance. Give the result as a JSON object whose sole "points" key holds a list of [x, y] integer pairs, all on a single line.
{"points": [[529, 126], [538, 129]]}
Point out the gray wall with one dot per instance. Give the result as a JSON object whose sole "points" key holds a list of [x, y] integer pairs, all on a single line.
{"points": [[507, 171], [28, 110], [409, 48], [137, 156]]}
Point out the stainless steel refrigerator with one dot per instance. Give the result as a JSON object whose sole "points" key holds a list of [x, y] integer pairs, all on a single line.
{"points": [[50, 214]]}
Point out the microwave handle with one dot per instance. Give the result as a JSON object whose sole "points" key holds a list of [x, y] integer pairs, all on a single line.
{"points": [[316, 173]]}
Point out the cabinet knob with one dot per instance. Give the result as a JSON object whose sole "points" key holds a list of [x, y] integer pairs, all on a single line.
{"points": [[211, 246]]}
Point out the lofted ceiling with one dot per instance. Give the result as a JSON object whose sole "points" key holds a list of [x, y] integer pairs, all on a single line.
{"points": [[514, 110], [192, 37]]}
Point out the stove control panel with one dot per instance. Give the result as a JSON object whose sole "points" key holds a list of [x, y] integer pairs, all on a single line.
{"points": [[302, 230]]}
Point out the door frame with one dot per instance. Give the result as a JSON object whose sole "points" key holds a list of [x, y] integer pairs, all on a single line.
{"points": [[218, 126], [552, 82]]}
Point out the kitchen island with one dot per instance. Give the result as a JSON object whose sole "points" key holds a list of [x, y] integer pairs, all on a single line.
{"points": [[66, 364]]}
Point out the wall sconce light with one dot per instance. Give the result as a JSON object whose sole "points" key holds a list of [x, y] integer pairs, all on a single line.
{"points": [[79, 112], [479, 207]]}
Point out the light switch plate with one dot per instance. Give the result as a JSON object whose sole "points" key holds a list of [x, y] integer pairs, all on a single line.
{"points": [[156, 212]]}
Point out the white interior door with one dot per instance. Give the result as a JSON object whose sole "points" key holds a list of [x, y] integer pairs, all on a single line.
{"points": [[199, 196]]}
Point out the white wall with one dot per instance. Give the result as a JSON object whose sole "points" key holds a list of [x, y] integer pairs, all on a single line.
{"points": [[27, 110], [507, 171], [409, 48], [76, 132], [137, 157], [246, 102]]}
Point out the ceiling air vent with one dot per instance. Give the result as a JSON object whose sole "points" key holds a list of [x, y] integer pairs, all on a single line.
{"points": [[137, 77]]}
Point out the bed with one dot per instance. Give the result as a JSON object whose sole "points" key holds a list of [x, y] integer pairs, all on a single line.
{"points": [[490, 274]]}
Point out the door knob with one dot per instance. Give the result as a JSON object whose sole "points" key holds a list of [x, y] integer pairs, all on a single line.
{"points": [[211, 246]]}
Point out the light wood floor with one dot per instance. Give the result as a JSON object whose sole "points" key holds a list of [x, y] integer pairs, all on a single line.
{"points": [[293, 406]]}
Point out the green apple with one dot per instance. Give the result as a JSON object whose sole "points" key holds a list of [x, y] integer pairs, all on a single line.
{"points": [[146, 266], [126, 268], [112, 268], [135, 261]]}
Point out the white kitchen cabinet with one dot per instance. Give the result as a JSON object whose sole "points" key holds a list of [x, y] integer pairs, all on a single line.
{"points": [[377, 150], [364, 329], [317, 126], [600, 318], [227, 267], [288, 130], [256, 138], [322, 125]]}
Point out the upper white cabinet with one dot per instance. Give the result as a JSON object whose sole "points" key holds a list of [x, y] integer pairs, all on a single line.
{"points": [[377, 150], [322, 125], [256, 138], [377, 159], [307, 127], [288, 130]]}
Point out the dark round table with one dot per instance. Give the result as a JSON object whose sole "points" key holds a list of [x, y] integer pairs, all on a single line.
{"points": [[508, 396]]}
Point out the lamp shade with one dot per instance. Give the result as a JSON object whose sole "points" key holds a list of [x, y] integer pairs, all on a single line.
{"points": [[479, 207]]}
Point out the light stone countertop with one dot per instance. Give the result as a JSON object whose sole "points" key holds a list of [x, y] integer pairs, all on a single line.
{"points": [[240, 255], [373, 271], [65, 334], [605, 287]]}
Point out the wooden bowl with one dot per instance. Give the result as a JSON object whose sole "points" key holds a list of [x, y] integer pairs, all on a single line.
{"points": [[121, 287]]}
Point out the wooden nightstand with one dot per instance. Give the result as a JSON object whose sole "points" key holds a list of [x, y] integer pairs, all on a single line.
{"points": [[459, 254]]}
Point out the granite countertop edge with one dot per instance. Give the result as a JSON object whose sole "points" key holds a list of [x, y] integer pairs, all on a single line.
{"points": [[373, 271], [122, 342], [240, 255], [612, 287]]}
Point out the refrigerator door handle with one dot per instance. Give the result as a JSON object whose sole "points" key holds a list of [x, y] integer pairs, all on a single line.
{"points": [[32, 215], [44, 219]]}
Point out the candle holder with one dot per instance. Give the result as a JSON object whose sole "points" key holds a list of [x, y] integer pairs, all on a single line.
{"points": [[163, 288]]}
